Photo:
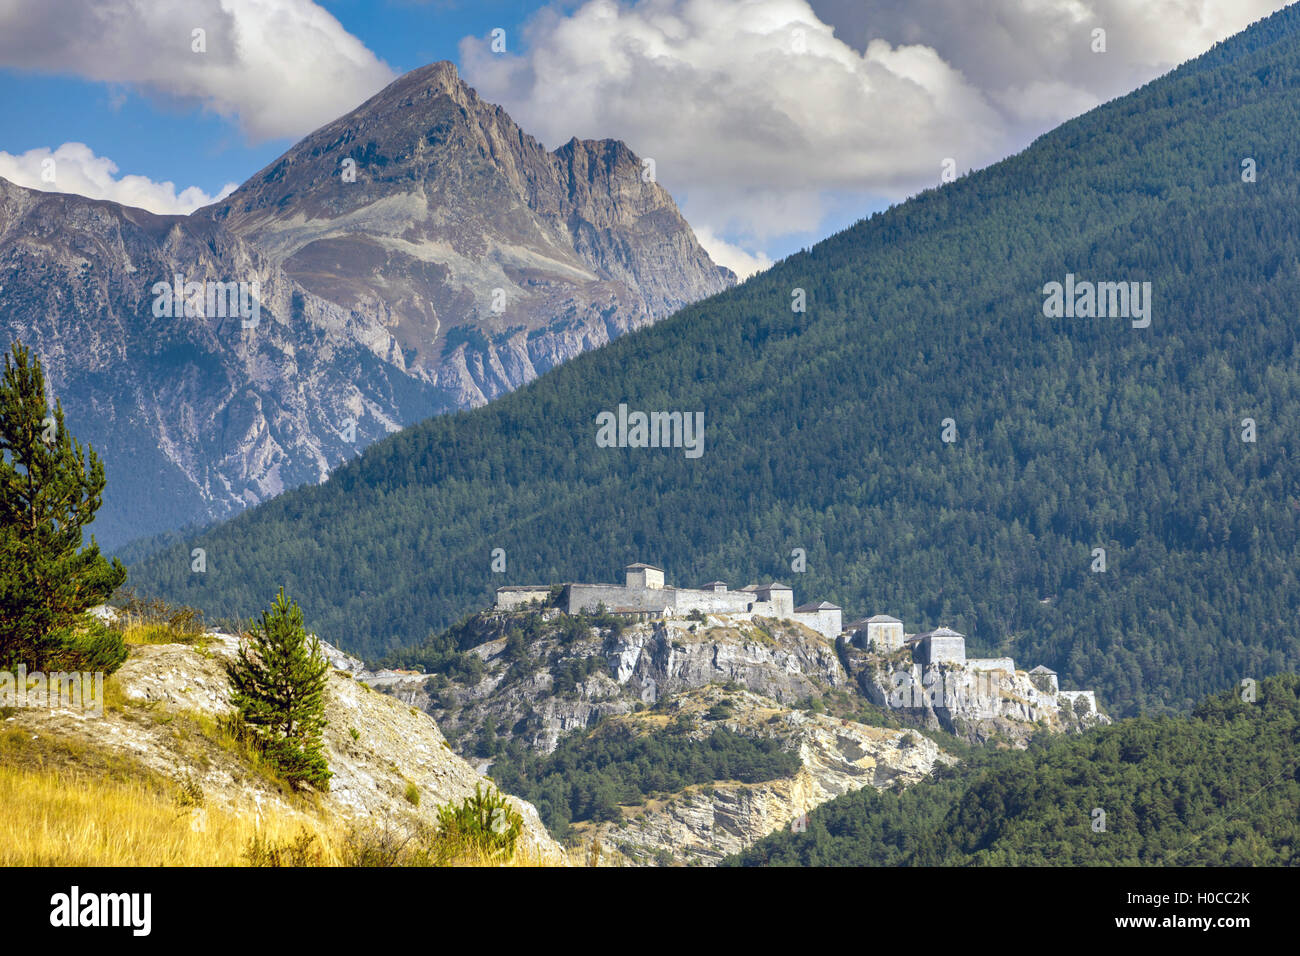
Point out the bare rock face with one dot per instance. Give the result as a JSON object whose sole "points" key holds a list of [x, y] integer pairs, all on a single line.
{"points": [[489, 258], [781, 659], [543, 678], [974, 702], [196, 416], [633, 668], [641, 675], [702, 825], [462, 260]]}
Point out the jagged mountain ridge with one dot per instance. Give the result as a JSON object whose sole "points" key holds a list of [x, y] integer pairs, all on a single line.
{"points": [[195, 417], [449, 203], [375, 297]]}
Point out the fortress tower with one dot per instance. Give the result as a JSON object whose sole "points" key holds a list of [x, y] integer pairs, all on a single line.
{"points": [[644, 576]]}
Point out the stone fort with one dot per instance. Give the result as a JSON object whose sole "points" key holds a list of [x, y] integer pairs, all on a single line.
{"points": [[644, 596], [883, 634]]}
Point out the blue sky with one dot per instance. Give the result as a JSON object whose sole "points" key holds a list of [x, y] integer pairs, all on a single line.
{"points": [[772, 122]]}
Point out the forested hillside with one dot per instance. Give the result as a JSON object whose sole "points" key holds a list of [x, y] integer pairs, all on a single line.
{"points": [[824, 428], [1221, 788]]}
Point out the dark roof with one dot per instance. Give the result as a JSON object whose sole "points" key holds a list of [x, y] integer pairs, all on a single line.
{"points": [[774, 586], [937, 632], [883, 619], [819, 606], [639, 567], [709, 584]]}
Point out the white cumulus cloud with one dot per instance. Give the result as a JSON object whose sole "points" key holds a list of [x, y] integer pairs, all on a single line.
{"points": [[1038, 58], [760, 114], [74, 168], [275, 67], [751, 106], [743, 264]]}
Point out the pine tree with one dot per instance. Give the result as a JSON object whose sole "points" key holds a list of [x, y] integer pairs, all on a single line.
{"points": [[50, 490], [278, 684]]}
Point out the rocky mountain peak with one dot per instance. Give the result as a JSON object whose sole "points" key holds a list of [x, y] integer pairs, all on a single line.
{"points": [[441, 75], [486, 256], [411, 93]]}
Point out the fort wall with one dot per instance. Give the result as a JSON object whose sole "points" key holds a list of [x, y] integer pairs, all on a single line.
{"points": [[520, 596]]}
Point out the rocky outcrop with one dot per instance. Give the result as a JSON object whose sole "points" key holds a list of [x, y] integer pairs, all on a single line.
{"points": [[376, 747], [778, 659], [622, 669], [545, 674], [704, 824], [560, 681], [977, 701]]}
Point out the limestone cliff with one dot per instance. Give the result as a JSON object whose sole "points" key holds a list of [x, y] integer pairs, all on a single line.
{"points": [[845, 712], [566, 679], [980, 700], [523, 687]]}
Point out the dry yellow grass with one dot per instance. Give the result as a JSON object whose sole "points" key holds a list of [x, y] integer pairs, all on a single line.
{"points": [[135, 630], [54, 818], [65, 803]]}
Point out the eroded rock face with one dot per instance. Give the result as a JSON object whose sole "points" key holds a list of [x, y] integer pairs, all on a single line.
{"points": [[394, 745], [781, 660], [638, 673], [463, 261], [704, 824], [563, 679], [974, 703], [635, 668], [488, 258]]}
